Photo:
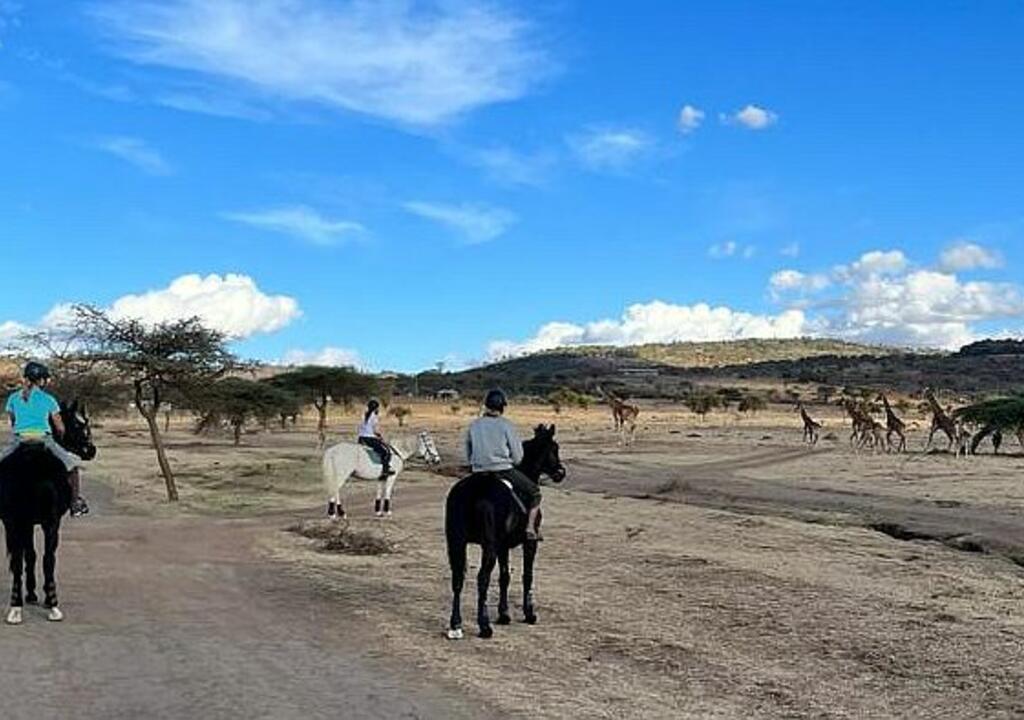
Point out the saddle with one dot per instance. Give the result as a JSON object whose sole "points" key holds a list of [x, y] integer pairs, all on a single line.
{"points": [[496, 477]]}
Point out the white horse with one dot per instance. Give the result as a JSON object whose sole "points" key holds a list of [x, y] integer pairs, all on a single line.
{"points": [[344, 460]]}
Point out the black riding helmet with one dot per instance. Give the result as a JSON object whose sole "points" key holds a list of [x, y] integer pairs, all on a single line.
{"points": [[496, 400], [36, 371], [373, 405]]}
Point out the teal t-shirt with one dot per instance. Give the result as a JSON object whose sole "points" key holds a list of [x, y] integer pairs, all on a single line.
{"points": [[32, 416]]}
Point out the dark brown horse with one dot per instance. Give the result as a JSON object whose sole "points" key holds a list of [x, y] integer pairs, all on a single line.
{"points": [[482, 510], [34, 490]]}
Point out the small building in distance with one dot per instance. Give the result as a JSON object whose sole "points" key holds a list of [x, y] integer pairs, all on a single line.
{"points": [[447, 395]]}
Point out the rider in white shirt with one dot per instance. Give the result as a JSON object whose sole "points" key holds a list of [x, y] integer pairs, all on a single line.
{"points": [[370, 435]]}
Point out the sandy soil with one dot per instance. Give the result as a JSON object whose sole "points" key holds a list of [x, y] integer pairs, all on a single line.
{"points": [[716, 569]]}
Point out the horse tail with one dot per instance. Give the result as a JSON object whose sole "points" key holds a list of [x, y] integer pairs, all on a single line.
{"points": [[455, 533]]}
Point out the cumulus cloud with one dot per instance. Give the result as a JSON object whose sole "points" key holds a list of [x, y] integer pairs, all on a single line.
{"points": [[414, 63], [299, 221], [751, 117], [609, 149], [659, 322], [785, 281], [882, 298], [328, 356], [965, 255], [730, 249], [690, 118], [135, 152], [475, 223], [232, 304]]}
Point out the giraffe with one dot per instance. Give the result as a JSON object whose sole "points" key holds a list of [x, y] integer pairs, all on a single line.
{"points": [[941, 421], [624, 415], [893, 426], [872, 435], [858, 419], [811, 426]]}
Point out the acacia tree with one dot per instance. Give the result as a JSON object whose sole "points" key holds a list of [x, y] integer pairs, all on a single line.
{"points": [[238, 400], [180, 358], [319, 385]]}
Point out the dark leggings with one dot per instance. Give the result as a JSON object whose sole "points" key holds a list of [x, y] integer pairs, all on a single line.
{"points": [[381, 447]]}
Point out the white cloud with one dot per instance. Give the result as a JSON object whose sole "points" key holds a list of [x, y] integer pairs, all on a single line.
{"points": [[751, 117], [793, 280], [969, 256], [9, 11], [609, 149], [328, 356], [659, 322], [792, 250], [876, 262], [299, 221], [232, 304], [415, 63], [508, 167], [476, 223], [690, 119], [11, 331], [730, 248], [882, 298], [136, 152]]}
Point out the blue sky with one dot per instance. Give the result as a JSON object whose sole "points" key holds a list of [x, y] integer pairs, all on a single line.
{"points": [[405, 182]]}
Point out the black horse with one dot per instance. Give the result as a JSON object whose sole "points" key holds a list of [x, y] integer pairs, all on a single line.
{"points": [[482, 510], [34, 490]]}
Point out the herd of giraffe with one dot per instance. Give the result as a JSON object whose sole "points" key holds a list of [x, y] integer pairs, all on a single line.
{"points": [[869, 433]]}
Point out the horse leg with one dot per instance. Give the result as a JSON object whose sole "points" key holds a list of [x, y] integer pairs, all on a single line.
{"points": [[30, 572], [504, 578], [483, 580], [15, 537], [529, 555], [389, 487], [51, 539], [457, 562], [378, 503]]}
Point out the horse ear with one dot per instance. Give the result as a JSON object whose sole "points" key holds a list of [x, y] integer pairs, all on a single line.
{"points": [[73, 407], [552, 429]]}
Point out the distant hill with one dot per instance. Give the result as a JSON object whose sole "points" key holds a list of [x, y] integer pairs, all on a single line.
{"points": [[671, 370]]}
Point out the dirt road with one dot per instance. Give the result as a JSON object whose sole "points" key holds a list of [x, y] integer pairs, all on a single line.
{"points": [[179, 618], [726, 484]]}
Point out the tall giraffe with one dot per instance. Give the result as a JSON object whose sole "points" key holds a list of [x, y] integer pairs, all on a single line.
{"points": [[859, 421], [624, 415], [811, 427], [940, 421], [894, 426]]}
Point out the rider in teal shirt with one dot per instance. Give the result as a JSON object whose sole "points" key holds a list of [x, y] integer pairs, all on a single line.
{"points": [[32, 410]]}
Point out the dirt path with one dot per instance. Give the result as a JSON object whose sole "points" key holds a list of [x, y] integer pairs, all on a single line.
{"points": [[721, 484], [180, 618]]}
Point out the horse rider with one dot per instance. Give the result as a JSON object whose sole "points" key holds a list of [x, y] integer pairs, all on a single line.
{"points": [[32, 410], [493, 447], [371, 437]]}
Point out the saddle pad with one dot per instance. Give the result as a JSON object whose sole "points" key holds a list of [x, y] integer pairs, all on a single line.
{"points": [[372, 454], [515, 495]]}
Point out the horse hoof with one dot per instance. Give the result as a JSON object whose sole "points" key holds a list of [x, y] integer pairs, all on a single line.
{"points": [[486, 633], [55, 615], [379, 514], [455, 634], [31, 599], [530, 619], [504, 620], [14, 616]]}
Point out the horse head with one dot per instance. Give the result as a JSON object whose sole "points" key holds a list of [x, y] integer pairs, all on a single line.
{"points": [[544, 448], [427, 449], [77, 436]]}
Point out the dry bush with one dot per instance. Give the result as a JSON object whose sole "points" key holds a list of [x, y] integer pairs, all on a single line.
{"points": [[335, 537]]}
